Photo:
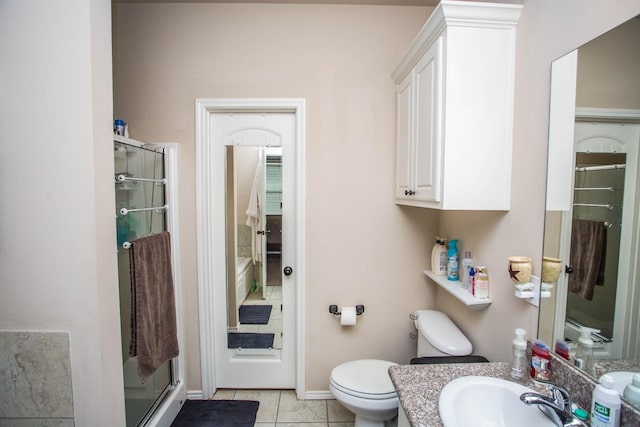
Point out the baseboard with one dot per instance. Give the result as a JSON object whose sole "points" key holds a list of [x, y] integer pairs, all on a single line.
{"points": [[194, 395], [318, 395], [309, 395]]}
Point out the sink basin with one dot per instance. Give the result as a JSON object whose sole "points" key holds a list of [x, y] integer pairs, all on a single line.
{"points": [[486, 401], [622, 378]]}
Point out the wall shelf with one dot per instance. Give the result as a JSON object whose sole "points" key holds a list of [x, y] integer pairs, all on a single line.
{"points": [[455, 289]]}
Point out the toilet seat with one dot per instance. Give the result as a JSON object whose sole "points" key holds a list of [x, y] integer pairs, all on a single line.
{"points": [[366, 379], [442, 333]]}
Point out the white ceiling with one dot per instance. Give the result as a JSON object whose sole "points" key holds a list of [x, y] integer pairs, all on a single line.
{"points": [[432, 3]]}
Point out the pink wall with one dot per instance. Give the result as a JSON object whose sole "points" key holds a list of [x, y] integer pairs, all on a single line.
{"points": [[361, 247], [58, 265], [547, 30]]}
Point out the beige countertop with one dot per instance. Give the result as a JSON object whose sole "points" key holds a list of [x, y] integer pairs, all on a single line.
{"points": [[419, 386]]}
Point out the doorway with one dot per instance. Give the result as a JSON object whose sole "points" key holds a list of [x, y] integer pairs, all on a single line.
{"points": [[603, 208], [273, 132]]}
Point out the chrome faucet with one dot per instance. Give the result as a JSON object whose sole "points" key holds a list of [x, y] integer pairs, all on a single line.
{"points": [[557, 407]]}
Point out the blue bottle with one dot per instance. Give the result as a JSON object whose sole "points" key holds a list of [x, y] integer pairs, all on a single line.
{"points": [[453, 264]]}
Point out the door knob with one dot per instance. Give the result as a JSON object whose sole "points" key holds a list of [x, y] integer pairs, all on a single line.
{"points": [[287, 271]]}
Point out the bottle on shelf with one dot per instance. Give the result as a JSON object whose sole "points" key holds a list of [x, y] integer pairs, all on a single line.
{"points": [[453, 268], [481, 283], [439, 257], [465, 266]]}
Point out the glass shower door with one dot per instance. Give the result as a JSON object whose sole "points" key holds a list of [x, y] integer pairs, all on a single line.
{"points": [[138, 174]]}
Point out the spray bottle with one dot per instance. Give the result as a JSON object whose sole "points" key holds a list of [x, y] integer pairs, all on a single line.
{"points": [[453, 268]]}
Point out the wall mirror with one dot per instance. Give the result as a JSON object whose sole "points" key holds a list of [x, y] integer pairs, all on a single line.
{"points": [[592, 221], [254, 246]]}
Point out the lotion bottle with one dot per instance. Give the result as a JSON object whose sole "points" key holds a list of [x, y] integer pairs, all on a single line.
{"points": [[481, 283], [605, 404]]}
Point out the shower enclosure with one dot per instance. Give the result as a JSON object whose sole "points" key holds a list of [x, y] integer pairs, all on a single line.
{"points": [[598, 198], [141, 209]]}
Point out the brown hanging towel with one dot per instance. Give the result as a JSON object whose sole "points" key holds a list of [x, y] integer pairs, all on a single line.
{"points": [[154, 338], [588, 243]]}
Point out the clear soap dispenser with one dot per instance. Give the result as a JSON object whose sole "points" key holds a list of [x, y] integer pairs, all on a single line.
{"points": [[584, 351], [519, 366]]}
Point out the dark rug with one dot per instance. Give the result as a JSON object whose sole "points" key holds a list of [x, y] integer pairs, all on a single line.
{"points": [[210, 413], [254, 314], [249, 340], [214, 413]]}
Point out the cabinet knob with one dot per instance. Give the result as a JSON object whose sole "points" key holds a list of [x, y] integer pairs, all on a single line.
{"points": [[568, 269], [287, 271], [409, 192]]}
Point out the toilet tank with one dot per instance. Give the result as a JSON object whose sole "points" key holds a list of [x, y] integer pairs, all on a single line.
{"points": [[439, 336]]}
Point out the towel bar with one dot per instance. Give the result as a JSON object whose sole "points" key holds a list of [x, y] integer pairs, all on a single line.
{"points": [[125, 211]]}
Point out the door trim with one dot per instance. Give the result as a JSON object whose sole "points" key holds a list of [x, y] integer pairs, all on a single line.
{"points": [[205, 107]]}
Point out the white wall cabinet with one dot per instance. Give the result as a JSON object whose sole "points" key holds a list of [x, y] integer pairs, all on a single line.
{"points": [[454, 100]]}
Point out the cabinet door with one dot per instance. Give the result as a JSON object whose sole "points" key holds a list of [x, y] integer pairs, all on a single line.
{"points": [[427, 147], [404, 100]]}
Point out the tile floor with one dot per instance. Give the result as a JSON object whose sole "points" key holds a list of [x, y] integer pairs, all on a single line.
{"points": [[281, 408]]}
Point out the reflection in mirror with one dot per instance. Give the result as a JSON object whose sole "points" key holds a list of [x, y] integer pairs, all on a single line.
{"points": [[591, 220], [254, 246]]}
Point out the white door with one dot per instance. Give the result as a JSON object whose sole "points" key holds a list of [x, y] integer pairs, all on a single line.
{"points": [[605, 137], [266, 366]]}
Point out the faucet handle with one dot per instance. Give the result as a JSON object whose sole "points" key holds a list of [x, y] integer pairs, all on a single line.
{"points": [[560, 394]]}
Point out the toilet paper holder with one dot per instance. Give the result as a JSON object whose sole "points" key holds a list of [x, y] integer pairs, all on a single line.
{"points": [[333, 309]]}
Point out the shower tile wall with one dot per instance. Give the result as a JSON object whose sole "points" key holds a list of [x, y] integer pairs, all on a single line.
{"points": [[244, 241], [35, 379]]}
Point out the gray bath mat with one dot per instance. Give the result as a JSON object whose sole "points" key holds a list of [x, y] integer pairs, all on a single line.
{"points": [[249, 340], [254, 314], [214, 413]]}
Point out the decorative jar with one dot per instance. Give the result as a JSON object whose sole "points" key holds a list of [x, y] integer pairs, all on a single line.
{"points": [[520, 268], [551, 269]]}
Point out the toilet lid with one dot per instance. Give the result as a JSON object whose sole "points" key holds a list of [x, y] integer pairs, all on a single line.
{"points": [[365, 377], [443, 334]]}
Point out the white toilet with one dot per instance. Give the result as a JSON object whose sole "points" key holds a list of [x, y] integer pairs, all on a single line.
{"points": [[364, 388], [439, 336]]}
